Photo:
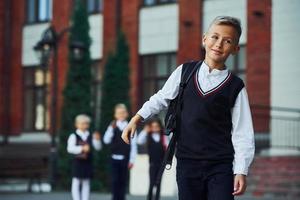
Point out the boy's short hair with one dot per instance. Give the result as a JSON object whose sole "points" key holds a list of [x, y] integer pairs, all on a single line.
{"points": [[120, 105], [230, 21], [83, 118]]}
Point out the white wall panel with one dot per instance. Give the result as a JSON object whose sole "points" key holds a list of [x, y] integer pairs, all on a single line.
{"points": [[235, 8], [158, 29]]}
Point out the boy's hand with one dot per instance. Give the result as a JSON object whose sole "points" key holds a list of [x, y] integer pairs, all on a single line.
{"points": [[239, 184], [130, 128], [97, 135], [86, 148], [130, 165]]}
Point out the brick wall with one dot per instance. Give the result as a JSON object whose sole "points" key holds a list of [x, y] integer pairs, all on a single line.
{"points": [[190, 30], [130, 26], [3, 73], [61, 14], [16, 81], [275, 177], [259, 59]]}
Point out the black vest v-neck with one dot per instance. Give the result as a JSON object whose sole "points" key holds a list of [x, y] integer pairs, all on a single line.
{"points": [[206, 121]]}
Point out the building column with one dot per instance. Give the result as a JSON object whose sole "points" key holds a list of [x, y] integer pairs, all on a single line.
{"points": [[190, 30], [130, 26], [259, 61], [16, 75], [4, 66], [111, 22], [62, 10]]}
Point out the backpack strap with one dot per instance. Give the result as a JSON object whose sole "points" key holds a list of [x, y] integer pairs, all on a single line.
{"points": [[187, 73], [188, 69]]}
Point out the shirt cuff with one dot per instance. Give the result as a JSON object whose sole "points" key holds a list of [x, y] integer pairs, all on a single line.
{"points": [[97, 144], [240, 169], [75, 150], [144, 114]]}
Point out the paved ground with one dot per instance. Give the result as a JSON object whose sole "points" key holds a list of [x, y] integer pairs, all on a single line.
{"points": [[96, 196]]}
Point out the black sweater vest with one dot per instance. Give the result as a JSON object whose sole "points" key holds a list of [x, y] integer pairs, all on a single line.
{"points": [[205, 125], [118, 146], [155, 150]]}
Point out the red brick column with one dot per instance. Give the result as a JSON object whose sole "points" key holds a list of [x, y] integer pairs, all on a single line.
{"points": [[3, 69], [190, 30], [62, 10], [16, 80], [130, 26], [110, 24], [259, 60]]}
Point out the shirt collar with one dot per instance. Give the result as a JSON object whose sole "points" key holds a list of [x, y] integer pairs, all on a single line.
{"points": [[82, 133], [121, 124], [214, 72]]}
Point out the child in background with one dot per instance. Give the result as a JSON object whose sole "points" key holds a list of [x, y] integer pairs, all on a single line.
{"points": [[122, 155], [80, 145], [152, 134]]}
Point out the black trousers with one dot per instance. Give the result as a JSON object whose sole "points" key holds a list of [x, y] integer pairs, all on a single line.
{"points": [[119, 170], [202, 180], [153, 171]]}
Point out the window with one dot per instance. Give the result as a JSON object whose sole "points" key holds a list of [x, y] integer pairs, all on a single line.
{"points": [[35, 95], [156, 2], [94, 6], [38, 11], [237, 63], [156, 70], [96, 91]]}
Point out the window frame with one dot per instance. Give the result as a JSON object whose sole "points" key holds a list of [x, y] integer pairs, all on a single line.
{"points": [[34, 88], [156, 77], [36, 13], [96, 85], [95, 11], [236, 68], [159, 3]]}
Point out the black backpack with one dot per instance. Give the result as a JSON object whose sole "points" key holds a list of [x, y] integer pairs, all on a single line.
{"points": [[173, 109], [171, 121]]}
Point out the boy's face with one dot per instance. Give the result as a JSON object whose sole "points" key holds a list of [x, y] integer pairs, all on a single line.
{"points": [[220, 41], [121, 114], [82, 125]]}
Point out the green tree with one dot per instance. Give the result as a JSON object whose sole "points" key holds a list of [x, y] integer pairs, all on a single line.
{"points": [[77, 91], [115, 89]]}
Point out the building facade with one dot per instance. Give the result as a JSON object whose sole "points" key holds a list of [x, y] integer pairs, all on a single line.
{"points": [[161, 35]]}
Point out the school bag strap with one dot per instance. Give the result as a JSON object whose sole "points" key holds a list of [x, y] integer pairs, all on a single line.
{"points": [[171, 122], [173, 109]]}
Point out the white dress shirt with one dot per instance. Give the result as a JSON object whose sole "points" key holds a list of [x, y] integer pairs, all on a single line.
{"points": [[242, 127], [77, 149], [108, 136]]}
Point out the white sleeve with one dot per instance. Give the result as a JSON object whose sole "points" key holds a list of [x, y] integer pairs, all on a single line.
{"points": [[108, 135], [97, 144], [142, 138], [133, 149], [162, 98], [242, 134], [72, 148]]}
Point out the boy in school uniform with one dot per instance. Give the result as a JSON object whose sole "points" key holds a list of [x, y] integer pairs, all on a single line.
{"points": [[215, 146], [153, 135], [80, 144], [122, 155]]}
